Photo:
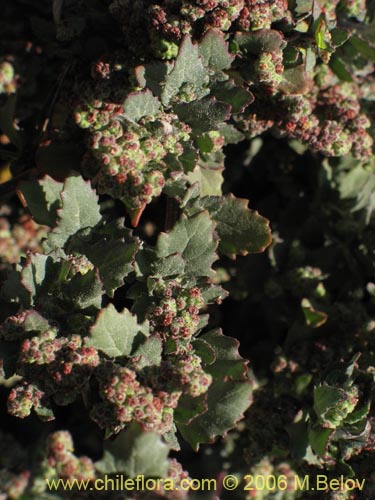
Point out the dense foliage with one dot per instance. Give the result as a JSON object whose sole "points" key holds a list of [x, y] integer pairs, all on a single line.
{"points": [[128, 268]]}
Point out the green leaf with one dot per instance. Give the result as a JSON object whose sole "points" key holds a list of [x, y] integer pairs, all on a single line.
{"points": [[321, 34], [170, 438], [188, 70], [340, 69], [240, 229], [237, 97], [291, 56], [140, 104], [339, 36], [355, 441], [229, 395], [169, 266], [326, 397], [80, 210], [46, 280], [364, 47], [256, 42], [189, 408], [231, 134], [107, 465], [114, 332], [359, 184], [204, 350], [228, 364], [114, 260], [136, 452], [43, 198], [226, 402], [112, 249], [150, 352], [34, 322], [193, 239], [295, 81], [333, 404], [359, 414], [303, 7], [189, 158], [214, 50], [203, 115], [83, 291], [210, 180], [39, 270], [152, 76], [319, 439], [313, 317]]}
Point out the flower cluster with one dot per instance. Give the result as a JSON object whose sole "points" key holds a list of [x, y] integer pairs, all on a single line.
{"points": [[328, 120], [167, 22], [261, 14], [183, 373], [26, 397], [18, 238], [191, 376], [57, 367], [13, 328], [62, 462], [268, 68], [353, 8], [132, 158], [125, 399], [283, 475], [175, 313], [176, 474], [14, 478], [13, 485]]}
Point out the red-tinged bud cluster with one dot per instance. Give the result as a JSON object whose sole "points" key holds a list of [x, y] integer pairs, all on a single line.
{"points": [[101, 70], [17, 239], [183, 373], [125, 399], [26, 397], [12, 485], [14, 478], [13, 327], [175, 313], [261, 14], [266, 469], [131, 158], [60, 366], [176, 474], [167, 22], [61, 458], [329, 121], [269, 68], [191, 376], [354, 8]]}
